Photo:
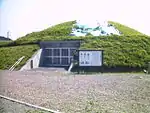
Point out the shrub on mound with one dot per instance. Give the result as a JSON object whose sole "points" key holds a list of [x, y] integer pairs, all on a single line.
{"points": [[9, 55], [131, 49], [63, 29], [125, 30]]}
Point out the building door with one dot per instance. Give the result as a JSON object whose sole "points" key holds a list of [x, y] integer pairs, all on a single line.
{"points": [[57, 56]]}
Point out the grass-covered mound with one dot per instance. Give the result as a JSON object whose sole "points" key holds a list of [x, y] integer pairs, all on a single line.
{"points": [[125, 30], [64, 29], [4, 43], [128, 51], [9, 55], [122, 51], [131, 49]]}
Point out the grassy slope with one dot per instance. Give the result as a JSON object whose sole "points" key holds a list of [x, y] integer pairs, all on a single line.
{"points": [[64, 29], [3, 43], [125, 30], [9, 55], [122, 51], [130, 49]]}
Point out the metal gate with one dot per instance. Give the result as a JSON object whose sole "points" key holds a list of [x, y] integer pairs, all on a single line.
{"points": [[57, 56]]}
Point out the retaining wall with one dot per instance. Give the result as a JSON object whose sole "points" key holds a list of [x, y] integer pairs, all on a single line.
{"points": [[33, 62]]}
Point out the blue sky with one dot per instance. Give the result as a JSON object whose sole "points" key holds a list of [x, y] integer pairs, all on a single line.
{"points": [[25, 16]]}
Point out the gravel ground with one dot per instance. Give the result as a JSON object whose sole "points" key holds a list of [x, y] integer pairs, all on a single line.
{"points": [[111, 93], [7, 106]]}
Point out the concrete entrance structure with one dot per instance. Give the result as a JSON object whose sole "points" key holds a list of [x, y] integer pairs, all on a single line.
{"points": [[57, 53], [52, 54]]}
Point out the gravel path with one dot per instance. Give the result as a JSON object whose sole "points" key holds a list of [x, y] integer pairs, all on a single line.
{"points": [[7, 106], [114, 93]]}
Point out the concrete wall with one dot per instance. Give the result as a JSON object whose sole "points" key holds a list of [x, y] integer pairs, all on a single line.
{"points": [[60, 44], [35, 60]]}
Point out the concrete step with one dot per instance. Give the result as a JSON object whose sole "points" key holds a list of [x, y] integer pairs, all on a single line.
{"points": [[55, 69]]}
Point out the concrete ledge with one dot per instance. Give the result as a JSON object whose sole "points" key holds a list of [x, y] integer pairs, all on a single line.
{"points": [[33, 62]]}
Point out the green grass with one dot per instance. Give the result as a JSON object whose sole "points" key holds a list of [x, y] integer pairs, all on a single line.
{"points": [[121, 50], [9, 55], [131, 49], [3, 43], [63, 29], [125, 30], [128, 51]]}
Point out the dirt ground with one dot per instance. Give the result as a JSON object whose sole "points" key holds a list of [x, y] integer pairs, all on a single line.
{"points": [[69, 93]]}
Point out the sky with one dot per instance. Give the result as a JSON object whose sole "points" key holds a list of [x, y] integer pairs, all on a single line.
{"points": [[21, 17]]}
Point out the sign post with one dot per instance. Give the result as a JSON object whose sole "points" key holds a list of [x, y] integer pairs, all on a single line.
{"points": [[90, 58]]}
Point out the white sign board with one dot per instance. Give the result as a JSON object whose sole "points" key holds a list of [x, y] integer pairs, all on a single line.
{"points": [[90, 58]]}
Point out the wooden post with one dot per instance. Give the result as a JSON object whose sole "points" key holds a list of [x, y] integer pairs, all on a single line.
{"points": [[31, 64], [148, 67]]}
